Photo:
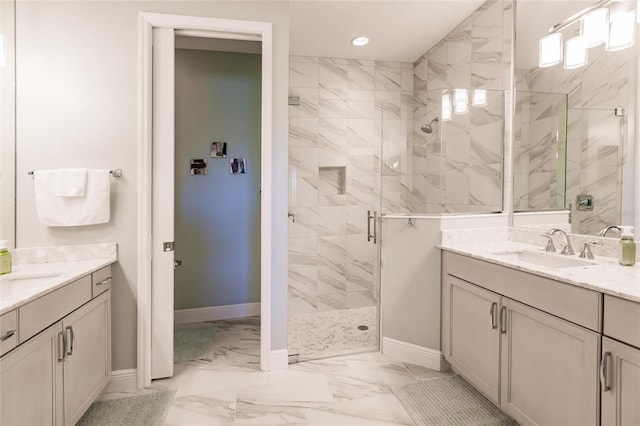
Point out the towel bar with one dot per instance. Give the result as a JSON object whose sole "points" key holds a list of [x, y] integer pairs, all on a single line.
{"points": [[115, 173]]}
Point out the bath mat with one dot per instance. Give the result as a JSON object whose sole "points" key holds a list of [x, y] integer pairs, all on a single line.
{"points": [[448, 401], [140, 410], [191, 343]]}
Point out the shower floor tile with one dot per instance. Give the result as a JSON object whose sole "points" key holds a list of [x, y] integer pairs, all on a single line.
{"points": [[331, 333]]}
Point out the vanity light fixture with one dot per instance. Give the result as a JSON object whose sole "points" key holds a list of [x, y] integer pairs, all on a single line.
{"points": [[360, 41], [622, 31], [479, 98], [594, 27], [460, 101], [446, 107], [576, 54], [550, 50]]}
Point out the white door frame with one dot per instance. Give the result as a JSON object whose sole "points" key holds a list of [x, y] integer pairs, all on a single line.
{"points": [[225, 29]]}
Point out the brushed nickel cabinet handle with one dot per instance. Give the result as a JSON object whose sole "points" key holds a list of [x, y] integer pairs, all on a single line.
{"points": [[503, 319], [8, 334], [62, 350], [106, 280], [492, 312], [71, 339], [605, 377]]}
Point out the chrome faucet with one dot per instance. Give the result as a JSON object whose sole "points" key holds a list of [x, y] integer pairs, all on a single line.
{"points": [[550, 247], [586, 252], [567, 249], [603, 233]]}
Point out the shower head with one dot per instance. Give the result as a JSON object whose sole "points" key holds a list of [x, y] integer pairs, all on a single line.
{"points": [[427, 128]]}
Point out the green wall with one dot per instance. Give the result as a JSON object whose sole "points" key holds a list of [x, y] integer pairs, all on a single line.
{"points": [[217, 215]]}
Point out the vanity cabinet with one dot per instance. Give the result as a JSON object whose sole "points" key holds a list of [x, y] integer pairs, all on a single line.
{"points": [[473, 338], [87, 359], [55, 375], [620, 364], [31, 381], [548, 368], [538, 367], [620, 376]]}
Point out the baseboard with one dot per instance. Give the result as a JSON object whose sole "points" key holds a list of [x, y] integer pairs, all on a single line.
{"points": [[213, 313], [279, 359], [414, 354], [122, 381]]}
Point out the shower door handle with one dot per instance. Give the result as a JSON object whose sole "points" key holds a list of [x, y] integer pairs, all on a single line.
{"points": [[373, 216], [375, 227]]}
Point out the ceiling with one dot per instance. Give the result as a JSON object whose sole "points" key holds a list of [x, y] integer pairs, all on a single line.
{"points": [[403, 30], [399, 30]]}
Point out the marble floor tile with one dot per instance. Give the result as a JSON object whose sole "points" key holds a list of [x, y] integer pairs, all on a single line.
{"points": [[230, 389]]}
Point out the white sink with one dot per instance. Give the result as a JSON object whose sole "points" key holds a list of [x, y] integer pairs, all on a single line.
{"points": [[24, 277], [546, 260]]}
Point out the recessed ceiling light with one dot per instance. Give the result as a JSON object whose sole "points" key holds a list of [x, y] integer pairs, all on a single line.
{"points": [[360, 41]]}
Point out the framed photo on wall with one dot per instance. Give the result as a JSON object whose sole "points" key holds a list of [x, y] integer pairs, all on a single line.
{"points": [[238, 166], [218, 149]]}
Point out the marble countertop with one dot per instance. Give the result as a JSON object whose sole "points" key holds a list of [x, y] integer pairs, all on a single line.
{"points": [[38, 271], [28, 282], [606, 276]]}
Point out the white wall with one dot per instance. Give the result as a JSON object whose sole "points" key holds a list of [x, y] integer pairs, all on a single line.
{"points": [[77, 106]]}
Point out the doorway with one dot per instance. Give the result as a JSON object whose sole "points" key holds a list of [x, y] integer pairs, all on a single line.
{"points": [[156, 203]]}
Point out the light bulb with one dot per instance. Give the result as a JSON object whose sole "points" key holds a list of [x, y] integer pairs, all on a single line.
{"points": [[576, 55], [360, 41], [622, 31], [460, 102], [550, 50], [479, 98], [446, 107], [594, 27]]}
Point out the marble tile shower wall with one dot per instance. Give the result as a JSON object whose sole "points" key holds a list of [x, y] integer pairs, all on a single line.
{"points": [[594, 142], [539, 151], [348, 110], [458, 167]]}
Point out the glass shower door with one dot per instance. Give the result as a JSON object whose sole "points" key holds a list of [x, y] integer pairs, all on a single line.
{"points": [[334, 202]]}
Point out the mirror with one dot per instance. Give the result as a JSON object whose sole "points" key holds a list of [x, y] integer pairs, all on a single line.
{"points": [[7, 121], [574, 129]]}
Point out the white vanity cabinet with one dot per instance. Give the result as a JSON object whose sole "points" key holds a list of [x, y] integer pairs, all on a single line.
{"points": [[548, 368], [620, 364], [473, 340], [504, 332], [54, 374], [31, 381]]}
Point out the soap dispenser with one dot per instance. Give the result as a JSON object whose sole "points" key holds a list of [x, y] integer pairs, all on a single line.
{"points": [[5, 257], [627, 246]]}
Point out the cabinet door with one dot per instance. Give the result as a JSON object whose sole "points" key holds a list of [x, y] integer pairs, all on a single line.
{"points": [[473, 339], [87, 368], [31, 381], [620, 384], [549, 368]]}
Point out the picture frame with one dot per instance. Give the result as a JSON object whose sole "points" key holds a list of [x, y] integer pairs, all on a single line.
{"points": [[218, 149]]}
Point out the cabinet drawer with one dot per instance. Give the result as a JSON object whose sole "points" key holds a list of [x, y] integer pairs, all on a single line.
{"points": [[37, 315], [101, 280], [8, 331], [622, 320]]}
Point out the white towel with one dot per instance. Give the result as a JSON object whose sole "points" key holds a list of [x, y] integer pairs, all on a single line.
{"points": [[91, 209], [71, 182]]}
